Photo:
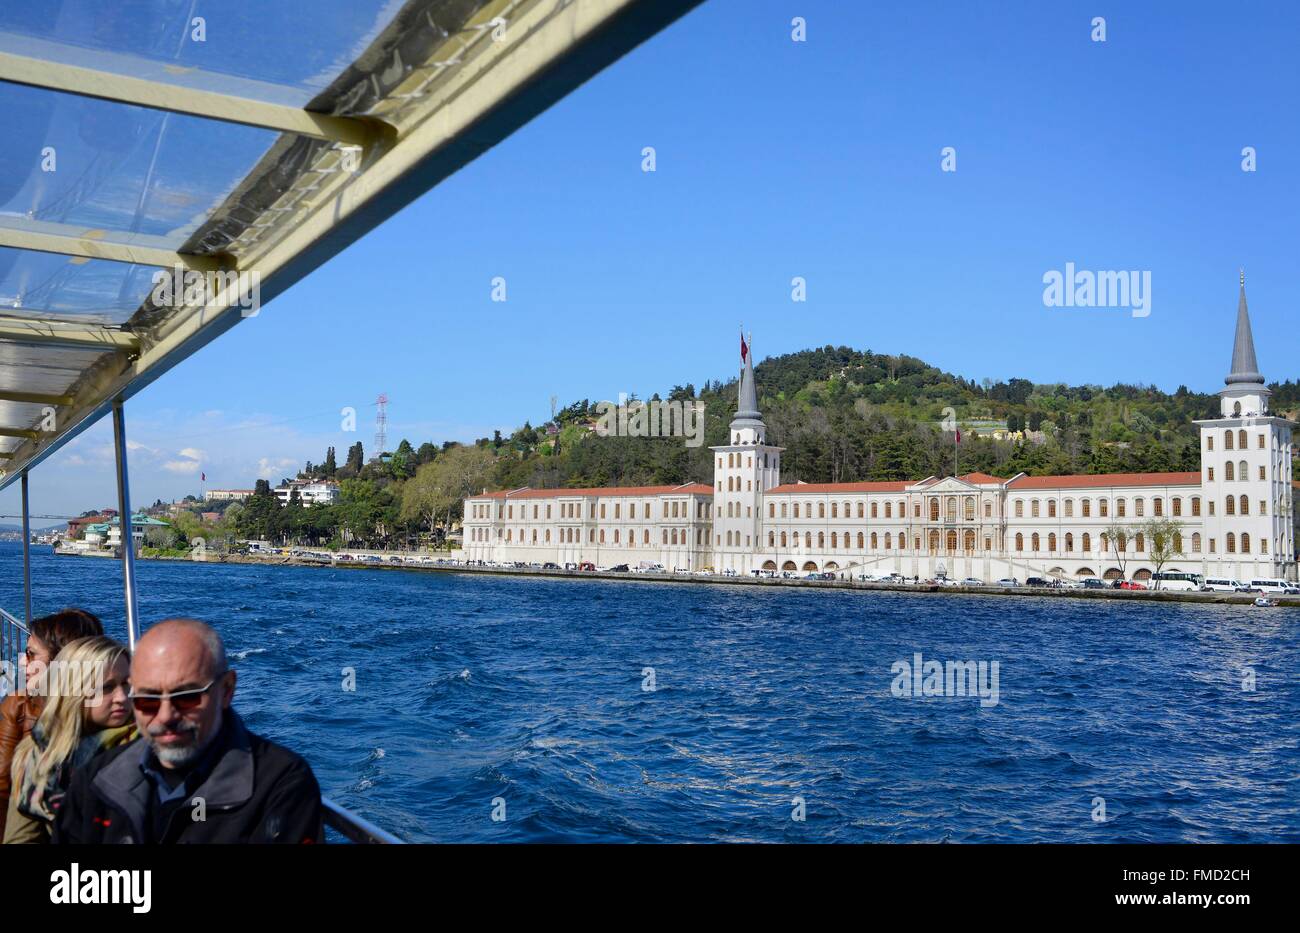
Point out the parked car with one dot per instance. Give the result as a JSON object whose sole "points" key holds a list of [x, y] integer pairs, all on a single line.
{"points": [[549, 565], [1129, 585], [1092, 583], [586, 565], [972, 581], [1037, 581], [618, 568], [1008, 581]]}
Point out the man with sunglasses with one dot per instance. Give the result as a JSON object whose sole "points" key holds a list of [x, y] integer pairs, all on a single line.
{"points": [[196, 774]]}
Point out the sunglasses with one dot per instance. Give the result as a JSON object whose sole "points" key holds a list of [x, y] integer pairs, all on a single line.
{"points": [[184, 701]]}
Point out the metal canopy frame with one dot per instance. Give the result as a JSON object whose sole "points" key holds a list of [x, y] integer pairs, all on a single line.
{"points": [[472, 91]]}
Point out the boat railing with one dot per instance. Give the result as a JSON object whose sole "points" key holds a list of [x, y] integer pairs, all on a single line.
{"points": [[355, 828], [13, 642]]}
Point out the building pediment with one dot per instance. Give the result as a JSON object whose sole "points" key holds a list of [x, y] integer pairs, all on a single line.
{"points": [[948, 484]]}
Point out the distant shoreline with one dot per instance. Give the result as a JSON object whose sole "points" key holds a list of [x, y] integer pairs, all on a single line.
{"points": [[1168, 596]]}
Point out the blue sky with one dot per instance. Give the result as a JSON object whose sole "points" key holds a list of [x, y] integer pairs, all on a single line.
{"points": [[778, 159]]}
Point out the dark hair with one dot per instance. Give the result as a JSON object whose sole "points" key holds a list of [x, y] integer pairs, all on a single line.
{"points": [[55, 631]]}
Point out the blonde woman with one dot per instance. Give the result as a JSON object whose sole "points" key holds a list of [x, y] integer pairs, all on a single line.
{"points": [[87, 711]]}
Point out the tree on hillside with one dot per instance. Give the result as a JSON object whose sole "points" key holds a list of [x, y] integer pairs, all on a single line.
{"points": [[438, 489]]}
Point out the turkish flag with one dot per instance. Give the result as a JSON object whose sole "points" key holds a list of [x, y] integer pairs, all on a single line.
{"points": [[959, 435], [744, 348], [203, 477]]}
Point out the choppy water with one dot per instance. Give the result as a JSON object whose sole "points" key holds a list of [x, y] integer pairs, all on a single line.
{"points": [[471, 688]]}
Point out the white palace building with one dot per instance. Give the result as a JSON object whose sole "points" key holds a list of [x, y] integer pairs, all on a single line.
{"points": [[1237, 514]]}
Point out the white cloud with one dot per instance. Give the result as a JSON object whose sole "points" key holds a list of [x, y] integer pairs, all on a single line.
{"points": [[184, 467], [268, 468], [193, 453]]}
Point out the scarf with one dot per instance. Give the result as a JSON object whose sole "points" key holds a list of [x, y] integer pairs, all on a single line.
{"points": [[42, 803]]}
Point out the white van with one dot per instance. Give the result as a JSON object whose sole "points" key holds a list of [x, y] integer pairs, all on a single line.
{"points": [[1175, 581], [1223, 585], [1266, 585]]}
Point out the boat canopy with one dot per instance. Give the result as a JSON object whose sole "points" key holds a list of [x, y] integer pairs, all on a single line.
{"points": [[169, 166]]}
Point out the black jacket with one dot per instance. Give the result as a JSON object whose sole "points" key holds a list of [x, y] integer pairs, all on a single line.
{"points": [[256, 792]]}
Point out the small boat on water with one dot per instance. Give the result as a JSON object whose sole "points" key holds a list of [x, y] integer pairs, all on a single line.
{"points": [[1265, 601]]}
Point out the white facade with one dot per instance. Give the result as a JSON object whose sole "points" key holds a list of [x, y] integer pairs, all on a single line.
{"points": [[1235, 518], [308, 493]]}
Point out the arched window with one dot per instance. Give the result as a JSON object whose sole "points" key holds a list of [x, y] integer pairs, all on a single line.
{"points": [[1103, 506], [934, 510], [1243, 471], [1232, 539], [1139, 507], [821, 540], [847, 513], [1139, 542], [1033, 509], [835, 540], [951, 541], [807, 540], [1178, 543], [873, 510], [950, 508], [887, 540], [1196, 542], [1034, 542], [970, 510], [1051, 508], [1178, 506], [1230, 506], [1229, 471], [835, 510], [860, 510], [771, 539], [1157, 506], [934, 542], [1119, 508], [968, 541], [783, 509], [860, 539], [1069, 543], [1087, 508], [1196, 505], [1051, 543], [1020, 541], [1241, 443], [796, 510], [821, 509], [873, 541], [1227, 440], [771, 510], [783, 539], [1244, 508], [1087, 543], [1020, 508], [888, 510], [1069, 508]]}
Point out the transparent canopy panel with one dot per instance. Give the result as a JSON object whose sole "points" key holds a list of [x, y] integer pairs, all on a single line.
{"points": [[50, 286], [299, 46], [117, 169]]}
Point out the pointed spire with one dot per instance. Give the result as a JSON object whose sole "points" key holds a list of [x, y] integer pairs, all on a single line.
{"points": [[1245, 369], [747, 407]]}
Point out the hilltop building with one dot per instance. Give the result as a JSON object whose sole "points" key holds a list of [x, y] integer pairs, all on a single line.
{"points": [[1237, 514]]}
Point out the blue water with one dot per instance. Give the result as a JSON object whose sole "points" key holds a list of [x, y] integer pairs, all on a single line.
{"points": [[473, 688]]}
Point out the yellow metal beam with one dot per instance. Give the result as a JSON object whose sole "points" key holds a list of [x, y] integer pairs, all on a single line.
{"points": [[35, 398], [68, 335], [19, 432], [179, 98], [67, 240]]}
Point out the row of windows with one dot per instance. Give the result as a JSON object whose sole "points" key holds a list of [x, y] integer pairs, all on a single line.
{"points": [[1103, 507], [733, 460], [1240, 473], [1227, 440], [673, 509], [594, 536]]}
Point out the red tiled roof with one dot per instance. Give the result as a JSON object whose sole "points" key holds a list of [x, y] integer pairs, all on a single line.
{"points": [[1099, 480], [890, 486], [978, 478], [696, 489]]}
